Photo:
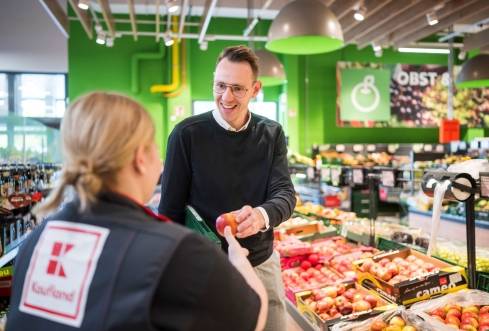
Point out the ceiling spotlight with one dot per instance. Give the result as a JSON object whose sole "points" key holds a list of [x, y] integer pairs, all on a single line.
{"points": [[109, 42], [168, 40], [432, 18], [84, 4], [100, 38], [360, 13], [172, 6], [203, 45]]}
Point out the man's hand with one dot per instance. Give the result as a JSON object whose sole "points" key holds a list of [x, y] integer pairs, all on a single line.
{"points": [[250, 221]]}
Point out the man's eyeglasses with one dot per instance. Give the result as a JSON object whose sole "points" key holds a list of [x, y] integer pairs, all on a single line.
{"points": [[237, 90]]}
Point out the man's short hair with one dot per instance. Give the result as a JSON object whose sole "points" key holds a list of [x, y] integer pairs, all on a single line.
{"points": [[240, 53]]}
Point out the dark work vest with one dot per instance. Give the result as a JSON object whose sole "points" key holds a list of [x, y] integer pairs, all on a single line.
{"points": [[135, 254]]}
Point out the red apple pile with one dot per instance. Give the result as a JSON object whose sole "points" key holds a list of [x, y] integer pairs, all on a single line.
{"points": [[471, 318], [335, 301], [344, 263], [396, 323], [307, 277], [398, 269]]}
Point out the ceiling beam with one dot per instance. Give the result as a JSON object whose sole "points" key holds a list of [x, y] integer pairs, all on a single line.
{"points": [[476, 40], [109, 20], [57, 14], [450, 7], [372, 22], [210, 5], [132, 17], [341, 7], [183, 13], [347, 22], [403, 19], [473, 12], [85, 19]]}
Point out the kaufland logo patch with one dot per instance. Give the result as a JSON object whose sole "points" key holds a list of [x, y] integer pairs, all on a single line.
{"points": [[61, 270]]}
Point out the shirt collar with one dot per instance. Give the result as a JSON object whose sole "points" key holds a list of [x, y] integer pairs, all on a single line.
{"points": [[222, 122]]}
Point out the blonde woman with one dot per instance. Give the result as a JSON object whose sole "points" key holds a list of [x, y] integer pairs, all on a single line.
{"points": [[105, 262]]}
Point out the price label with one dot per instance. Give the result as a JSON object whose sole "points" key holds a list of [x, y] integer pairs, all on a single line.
{"points": [[387, 178], [326, 174], [440, 148], [371, 148], [428, 148], [484, 177], [335, 176], [358, 148], [357, 176], [310, 173], [340, 148]]}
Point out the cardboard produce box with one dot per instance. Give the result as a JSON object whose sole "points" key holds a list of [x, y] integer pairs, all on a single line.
{"points": [[429, 276], [344, 312]]}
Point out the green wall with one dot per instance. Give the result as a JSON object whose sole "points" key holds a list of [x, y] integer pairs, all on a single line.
{"points": [[310, 116]]}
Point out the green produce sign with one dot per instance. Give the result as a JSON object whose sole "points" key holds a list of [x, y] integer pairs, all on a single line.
{"points": [[365, 95]]}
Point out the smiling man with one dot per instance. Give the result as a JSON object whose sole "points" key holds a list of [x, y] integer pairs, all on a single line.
{"points": [[231, 160]]}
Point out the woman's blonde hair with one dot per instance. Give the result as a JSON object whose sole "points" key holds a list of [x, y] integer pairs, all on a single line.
{"points": [[100, 133]]}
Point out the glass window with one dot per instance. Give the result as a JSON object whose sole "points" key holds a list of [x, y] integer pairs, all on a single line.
{"points": [[3, 95], [40, 95], [267, 109]]}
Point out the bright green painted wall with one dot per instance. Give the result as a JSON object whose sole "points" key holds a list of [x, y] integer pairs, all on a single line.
{"points": [[96, 67], [311, 88]]}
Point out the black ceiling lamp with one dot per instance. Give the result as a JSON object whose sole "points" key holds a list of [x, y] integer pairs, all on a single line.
{"points": [[272, 71], [474, 73]]}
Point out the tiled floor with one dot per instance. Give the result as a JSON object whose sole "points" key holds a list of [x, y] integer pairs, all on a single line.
{"points": [[292, 325]]}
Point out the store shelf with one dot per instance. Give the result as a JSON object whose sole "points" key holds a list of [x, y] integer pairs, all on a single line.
{"points": [[453, 218], [299, 318], [12, 251]]}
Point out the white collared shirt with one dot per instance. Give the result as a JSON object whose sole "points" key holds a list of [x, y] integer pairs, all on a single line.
{"points": [[222, 122]]}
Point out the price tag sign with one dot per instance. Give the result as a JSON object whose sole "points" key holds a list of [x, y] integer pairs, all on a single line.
{"points": [[335, 176], [484, 177], [326, 174], [340, 148], [357, 176], [428, 148], [371, 148], [358, 148], [387, 178], [440, 148], [310, 173]]}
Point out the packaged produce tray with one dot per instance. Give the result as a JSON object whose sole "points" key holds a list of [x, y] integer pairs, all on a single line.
{"points": [[325, 307], [428, 277], [195, 222]]}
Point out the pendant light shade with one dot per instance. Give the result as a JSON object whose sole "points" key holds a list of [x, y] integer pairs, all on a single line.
{"points": [[272, 71], [305, 27], [474, 73]]}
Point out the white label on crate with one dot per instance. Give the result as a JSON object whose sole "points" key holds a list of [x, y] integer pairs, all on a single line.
{"points": [[484, 186], [455, 278], [310, 172], [325, 174], [387, 178], [61, 270], [335, 175], [358, 176]]}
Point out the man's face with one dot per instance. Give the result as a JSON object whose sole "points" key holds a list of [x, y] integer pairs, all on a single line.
{"points": [[235, 81]]}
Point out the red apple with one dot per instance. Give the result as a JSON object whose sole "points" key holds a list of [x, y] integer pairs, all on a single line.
{"points": [[350, 293], [347, 309], [452, 320], [227, 219], [340, 301], [361, 305], [384, 261], [357, 297], [378, 325], [330, 291], [454, 312], [472, 308], [341, 288], [372, 300], [439, 312], [484, 309], [313, 259], [366, 265], [467, 327], [470, 320], [411, 258], [305, 265]]}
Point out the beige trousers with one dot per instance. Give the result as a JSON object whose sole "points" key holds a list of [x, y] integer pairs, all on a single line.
{"points": [[270, 274]]}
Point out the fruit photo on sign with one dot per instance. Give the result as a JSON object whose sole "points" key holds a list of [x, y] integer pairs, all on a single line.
{"points": [[227, 219]]}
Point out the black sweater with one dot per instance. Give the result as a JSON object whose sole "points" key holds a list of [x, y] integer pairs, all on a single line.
{"points": [[218, 171]]}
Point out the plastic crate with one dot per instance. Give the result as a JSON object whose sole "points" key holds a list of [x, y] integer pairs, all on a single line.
{"points": [[384, 244], [483, 281], [195, 222]]}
